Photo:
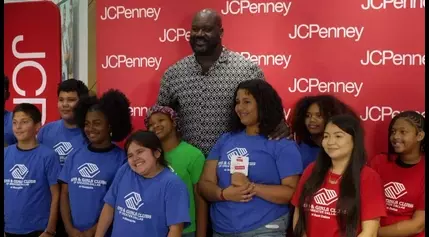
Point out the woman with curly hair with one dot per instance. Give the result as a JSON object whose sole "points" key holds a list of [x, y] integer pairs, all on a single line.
{"points": [[249, 178], [89, 170], [309, 119], [402, 172]]}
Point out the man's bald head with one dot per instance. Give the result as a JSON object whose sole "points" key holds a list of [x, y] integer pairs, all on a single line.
{"points": [[206, 32], [209, 14]]}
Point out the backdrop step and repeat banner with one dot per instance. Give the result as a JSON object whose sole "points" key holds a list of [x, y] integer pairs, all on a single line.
{"points": [[368, 53], [32, 55]]}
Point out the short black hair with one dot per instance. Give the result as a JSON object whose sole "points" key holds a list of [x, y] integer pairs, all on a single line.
{"points": [[73, 85], [269, 103], [329, 106], [147, 139], [30, 110], [114, 105], [416, 120]]}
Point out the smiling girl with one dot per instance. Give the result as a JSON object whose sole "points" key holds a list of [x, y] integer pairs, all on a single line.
{"points": [[186, 160], [254, 201], [338, 195], [146, 197], [89, 170], [309, 119], [402, 171]]}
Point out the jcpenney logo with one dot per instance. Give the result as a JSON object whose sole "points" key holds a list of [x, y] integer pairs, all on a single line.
{"points": [[388, 57], [174, 35], [381, 113], [237, 7], [121, 12], [304, 85], [280, 60], [28, 61], [124, 61], [311, 31], [392, 4]]}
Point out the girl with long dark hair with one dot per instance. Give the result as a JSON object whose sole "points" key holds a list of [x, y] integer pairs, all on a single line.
{"points": [[338, 195], [402, 171], [309, 118], [248, 178]]}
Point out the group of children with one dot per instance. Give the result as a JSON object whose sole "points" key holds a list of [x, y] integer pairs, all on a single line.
{"points": [[68, 178]]}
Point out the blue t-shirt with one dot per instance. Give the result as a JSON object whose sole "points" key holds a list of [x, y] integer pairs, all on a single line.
{"points": [[89, 174], [147, 206], [28, 175], [62, 139], [269, 162], [9, 138], [309, 153]]}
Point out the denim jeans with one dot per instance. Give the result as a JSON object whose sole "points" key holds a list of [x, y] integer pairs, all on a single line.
{"points": [[276, 228]]}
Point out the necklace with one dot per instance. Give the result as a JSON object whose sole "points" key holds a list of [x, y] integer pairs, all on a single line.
{"points": [[333, 181]]}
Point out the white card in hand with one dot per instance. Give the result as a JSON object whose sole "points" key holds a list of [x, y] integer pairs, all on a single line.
{"points": [[239, 164]]}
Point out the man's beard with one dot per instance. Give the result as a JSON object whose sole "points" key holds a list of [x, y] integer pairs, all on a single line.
{"points": [[209, 49]]}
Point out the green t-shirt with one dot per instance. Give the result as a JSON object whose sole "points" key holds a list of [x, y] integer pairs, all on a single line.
{"points": [[187, 162]]}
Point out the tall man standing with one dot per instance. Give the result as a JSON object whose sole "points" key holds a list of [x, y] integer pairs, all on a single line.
{"points": [[200, 87]]}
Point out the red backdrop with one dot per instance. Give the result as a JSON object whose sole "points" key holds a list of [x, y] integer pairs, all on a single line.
{"points": [[368, 53], [32, 55]]}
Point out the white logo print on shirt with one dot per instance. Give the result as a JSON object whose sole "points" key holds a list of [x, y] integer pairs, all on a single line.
{"points": [[130, 213], [19, 171], [133, 201], [86, 180], [63, 149], [18, 181], [325, 197], [88, 170], [394, 190], [237, 152]]}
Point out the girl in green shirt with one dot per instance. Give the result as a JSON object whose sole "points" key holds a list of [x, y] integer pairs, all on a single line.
{"points": [[185, 160]]}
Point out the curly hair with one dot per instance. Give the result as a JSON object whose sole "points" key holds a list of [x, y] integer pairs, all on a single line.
{"points": [[269, 103], [114, 105], [416, 120], [329, 106]]}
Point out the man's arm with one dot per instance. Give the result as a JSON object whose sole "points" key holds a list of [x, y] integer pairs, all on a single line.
{"points": [[164, 95]]}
